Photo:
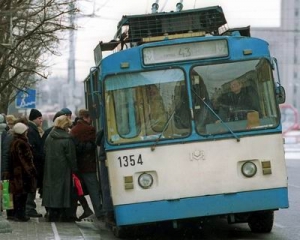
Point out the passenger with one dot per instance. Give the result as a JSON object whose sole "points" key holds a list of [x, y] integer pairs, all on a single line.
{"points": [[68, 112], [10, 121], [84, 135], [236, 100], [22, 172], [6, 159], [6, 141], [201, 102], [82, 200], [47, 131], [44, 137], [60, 163], [107, 205], [35, 140], [157, 112], [4, 149]]}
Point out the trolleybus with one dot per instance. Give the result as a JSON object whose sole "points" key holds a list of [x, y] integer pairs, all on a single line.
{"points": [[177, 146]]}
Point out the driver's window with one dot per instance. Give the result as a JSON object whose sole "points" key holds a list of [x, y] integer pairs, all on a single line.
{"points": [[240, 94]]}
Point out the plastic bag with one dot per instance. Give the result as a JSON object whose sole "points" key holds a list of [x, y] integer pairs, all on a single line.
{"points": [[7, 198], [77, 185]]}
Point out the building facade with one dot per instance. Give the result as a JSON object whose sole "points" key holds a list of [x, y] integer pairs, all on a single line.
{"points": [[285, 46]]}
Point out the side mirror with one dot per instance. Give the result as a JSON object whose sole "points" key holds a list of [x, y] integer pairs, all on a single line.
{"points": [[280, 94]]}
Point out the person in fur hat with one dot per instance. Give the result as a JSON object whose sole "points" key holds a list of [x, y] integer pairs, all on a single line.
{"points": [[35, 140], [60, 163], [22, 171]]}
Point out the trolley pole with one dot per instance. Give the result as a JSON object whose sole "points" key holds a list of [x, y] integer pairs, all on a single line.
{"points": [[4, 224]]}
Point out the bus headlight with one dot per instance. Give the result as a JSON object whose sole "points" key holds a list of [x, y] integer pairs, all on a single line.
{"points": [[249, 169], [145, 180]]}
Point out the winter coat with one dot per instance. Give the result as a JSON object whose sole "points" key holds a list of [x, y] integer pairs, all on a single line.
{"points": [[84, 136], [5, 160], [22, 171], [36, 143], [60, 162]]}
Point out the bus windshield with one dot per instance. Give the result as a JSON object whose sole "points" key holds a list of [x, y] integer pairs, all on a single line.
{"points": [[239, 94], [141, 106], [161, 104]]}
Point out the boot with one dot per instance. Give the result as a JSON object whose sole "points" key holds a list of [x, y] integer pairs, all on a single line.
{"points": [[87, 211]]}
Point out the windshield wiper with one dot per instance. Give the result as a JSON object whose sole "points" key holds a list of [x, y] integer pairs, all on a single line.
{"points": [[216, 115], [162, 132]]}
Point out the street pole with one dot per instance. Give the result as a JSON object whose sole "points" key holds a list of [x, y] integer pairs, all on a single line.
{"points": [[4, 224]]}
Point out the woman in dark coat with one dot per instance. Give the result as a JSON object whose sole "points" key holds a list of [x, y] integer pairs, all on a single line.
{"points": [[22, 171], [60, 163]]}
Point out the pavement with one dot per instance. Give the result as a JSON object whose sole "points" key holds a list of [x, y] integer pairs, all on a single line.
{"points": [[39, 229]]}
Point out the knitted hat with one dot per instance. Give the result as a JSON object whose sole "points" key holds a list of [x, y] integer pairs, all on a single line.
{"points": [[83, 113], [67, 111], [58, 114], [34, 114], [20, 128]]}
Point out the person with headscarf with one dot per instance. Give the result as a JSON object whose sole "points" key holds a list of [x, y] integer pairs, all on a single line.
{"points": [[6, 158], [22, 173]]}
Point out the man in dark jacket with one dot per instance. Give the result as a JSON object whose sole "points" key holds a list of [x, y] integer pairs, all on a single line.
{"points": [[84, 137], [35, 140], [239, 99]]}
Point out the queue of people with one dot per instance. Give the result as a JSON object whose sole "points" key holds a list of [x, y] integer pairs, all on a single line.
{"points": [[45, 162]]}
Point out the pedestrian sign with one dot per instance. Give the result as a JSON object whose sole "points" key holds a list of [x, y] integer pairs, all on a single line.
{"points": [[26, 98]]}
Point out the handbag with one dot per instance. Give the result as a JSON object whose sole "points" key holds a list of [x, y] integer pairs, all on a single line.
{"points": [[7, 197]]}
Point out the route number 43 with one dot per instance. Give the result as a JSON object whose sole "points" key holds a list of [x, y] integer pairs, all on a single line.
{"points": [[131, 160]]}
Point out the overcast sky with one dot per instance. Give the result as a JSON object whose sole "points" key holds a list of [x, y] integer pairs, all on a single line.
{"points": [[102, 27]]}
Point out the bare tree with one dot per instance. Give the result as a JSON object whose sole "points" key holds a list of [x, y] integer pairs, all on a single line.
{"points": [[30, 31]]}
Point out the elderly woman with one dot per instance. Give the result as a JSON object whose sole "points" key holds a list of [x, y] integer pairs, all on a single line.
{"points": [[22, 171], [60, 163]]}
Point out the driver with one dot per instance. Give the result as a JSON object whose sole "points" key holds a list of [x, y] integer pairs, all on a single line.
{"points": [[235, 104]]}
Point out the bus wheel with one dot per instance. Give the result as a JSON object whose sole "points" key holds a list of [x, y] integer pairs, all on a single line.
{"points": [[119, 232], [261, 222]]}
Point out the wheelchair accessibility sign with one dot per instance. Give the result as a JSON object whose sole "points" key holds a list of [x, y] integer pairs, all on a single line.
{"points": [[26, 98]]}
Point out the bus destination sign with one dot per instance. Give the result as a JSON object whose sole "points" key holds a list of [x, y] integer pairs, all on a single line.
{"points": [[185, 51]]}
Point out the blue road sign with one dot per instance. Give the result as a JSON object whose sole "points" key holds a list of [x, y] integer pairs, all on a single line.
{"points": [[26, 98]]}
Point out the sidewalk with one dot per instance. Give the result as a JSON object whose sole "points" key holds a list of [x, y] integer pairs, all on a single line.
{"points": [[40, 229]]}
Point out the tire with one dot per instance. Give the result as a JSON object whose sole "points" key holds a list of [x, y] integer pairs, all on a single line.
{"points": [[261, 222], [119, 232]]}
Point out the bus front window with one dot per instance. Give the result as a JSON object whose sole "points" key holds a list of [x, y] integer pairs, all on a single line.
{"points": [[241, 94], [145, 106]]}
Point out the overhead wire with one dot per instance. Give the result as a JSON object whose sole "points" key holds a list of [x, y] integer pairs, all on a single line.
{"points": [[163, 7]]}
